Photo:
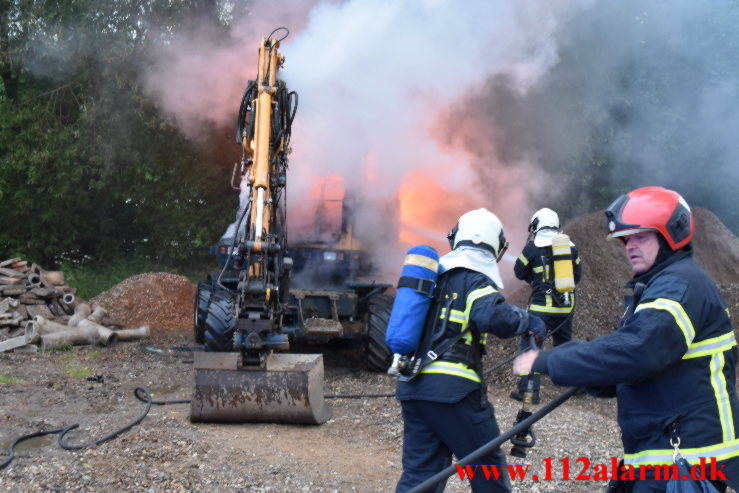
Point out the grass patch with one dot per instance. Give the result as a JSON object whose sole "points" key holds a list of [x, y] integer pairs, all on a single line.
{"points": [[94, 276], [62, 348], [9, 380], [75, 371]]}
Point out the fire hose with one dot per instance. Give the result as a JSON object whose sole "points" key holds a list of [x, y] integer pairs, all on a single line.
{"points": [[522, 428], [519, 440], [486, 372], [497, 442]]}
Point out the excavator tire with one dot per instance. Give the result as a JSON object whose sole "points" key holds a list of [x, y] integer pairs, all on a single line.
{"points": [[379, 356], [220, 322], [205, 289]]}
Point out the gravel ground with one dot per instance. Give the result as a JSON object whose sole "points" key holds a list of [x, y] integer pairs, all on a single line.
{"points": [[357, 450]]}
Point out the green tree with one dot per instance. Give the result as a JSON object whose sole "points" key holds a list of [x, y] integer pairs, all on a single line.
{"points": [[88, 166]]}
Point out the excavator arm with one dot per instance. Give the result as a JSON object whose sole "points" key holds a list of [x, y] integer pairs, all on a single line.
{"points": [[241, 377]]}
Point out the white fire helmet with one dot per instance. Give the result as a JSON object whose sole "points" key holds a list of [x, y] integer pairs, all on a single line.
{"points": [[544, 218], [480, 226]]}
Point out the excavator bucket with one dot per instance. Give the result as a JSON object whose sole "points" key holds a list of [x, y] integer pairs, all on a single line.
{"points": [[289, 389]]}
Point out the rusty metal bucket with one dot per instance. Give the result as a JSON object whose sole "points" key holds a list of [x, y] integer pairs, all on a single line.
{"points": [[288, 390]]}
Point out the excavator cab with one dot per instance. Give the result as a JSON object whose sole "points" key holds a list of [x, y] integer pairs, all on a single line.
{"points": [[332, 293]]}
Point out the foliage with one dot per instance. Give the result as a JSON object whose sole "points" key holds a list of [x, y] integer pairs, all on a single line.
{"points": [[89, 168]]}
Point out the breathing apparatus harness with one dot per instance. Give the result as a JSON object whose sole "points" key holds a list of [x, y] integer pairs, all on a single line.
{"points": [[561, 282], [409, 366]]}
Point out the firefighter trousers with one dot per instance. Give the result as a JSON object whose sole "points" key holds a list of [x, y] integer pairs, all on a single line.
{"points": [[435, 430]]}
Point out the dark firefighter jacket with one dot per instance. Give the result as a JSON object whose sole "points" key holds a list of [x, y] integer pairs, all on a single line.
{"points": [[535, 266], [478, 308], [671, 360]]}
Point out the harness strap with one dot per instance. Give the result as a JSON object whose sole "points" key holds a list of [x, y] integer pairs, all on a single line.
{"points": [[422, 286]]}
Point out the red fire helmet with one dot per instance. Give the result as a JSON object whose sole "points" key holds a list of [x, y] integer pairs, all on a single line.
{"points": [[652, 209]]}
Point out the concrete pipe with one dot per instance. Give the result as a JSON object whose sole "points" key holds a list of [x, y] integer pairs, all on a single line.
{"points": [[105, 335], [97, 314], [74, 336], [44, 326], [133, 334], [34, 280], [31, 335], [68, 298], [81, 311]]}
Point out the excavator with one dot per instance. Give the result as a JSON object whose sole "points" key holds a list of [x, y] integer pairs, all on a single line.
{"points": [[244, 373]]}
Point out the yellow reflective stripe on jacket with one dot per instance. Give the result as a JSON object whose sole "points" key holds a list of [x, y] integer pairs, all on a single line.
{"points": [[715, 347], [550, 308], [476, 295], [421, 261], [460, 317], [718, 382], [457, 316], [721, 451], [538, 270], [463, 317], [471, 298], [711, 346], [676, 310], [448, 368], [523, 259]]}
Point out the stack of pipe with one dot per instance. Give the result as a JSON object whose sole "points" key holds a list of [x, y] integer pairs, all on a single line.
{"points": [[83, 327]]}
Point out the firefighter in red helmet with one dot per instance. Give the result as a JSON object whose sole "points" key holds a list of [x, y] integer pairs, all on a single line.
{"points": [[671, 362]]}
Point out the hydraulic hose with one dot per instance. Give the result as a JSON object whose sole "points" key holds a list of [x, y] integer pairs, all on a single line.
{"points": [[497, 442]]}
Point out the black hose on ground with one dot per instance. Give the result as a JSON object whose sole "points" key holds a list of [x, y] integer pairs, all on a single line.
{"points": [[63, 431], [11, 447], [497, 442], [356, 396]]}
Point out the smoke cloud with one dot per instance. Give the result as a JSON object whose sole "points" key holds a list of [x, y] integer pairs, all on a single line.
{"points": [[642, 94], [377, 81], [424, 110]]}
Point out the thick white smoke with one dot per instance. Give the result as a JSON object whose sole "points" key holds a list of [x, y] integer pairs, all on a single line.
{"points": [[377, 80]]}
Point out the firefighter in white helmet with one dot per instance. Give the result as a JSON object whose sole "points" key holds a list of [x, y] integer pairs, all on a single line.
{"points": [[535, 265], [445, 407]]}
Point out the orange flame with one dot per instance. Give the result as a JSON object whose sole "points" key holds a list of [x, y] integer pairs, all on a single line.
{"points": [[428, 210]]}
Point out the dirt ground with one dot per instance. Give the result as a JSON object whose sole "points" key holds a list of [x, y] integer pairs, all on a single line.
{"points": [[358, 450]]}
